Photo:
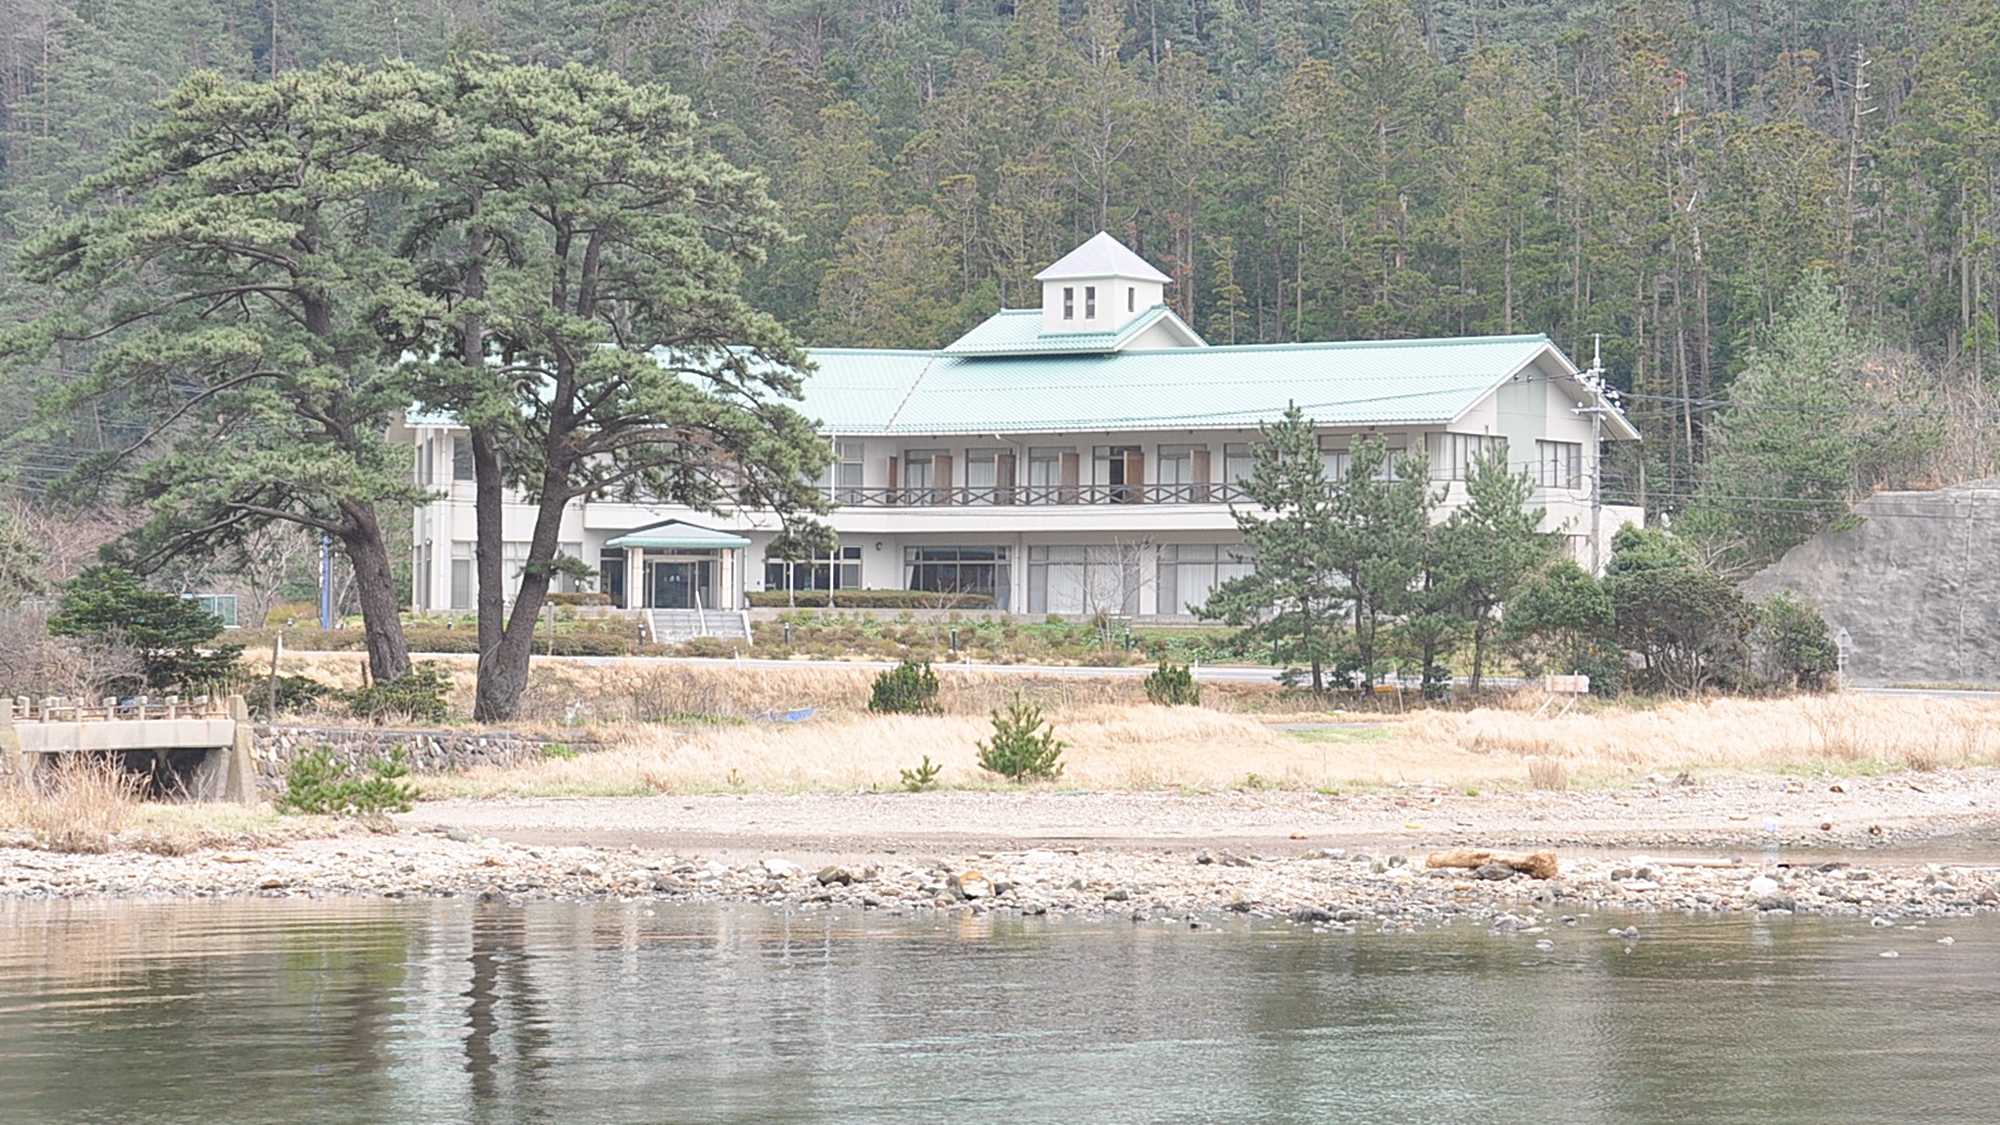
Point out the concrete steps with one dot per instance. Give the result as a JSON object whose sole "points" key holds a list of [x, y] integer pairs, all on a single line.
{"points": [[673, 626]]}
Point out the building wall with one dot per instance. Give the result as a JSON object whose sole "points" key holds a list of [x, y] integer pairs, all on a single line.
{"points": [[1067, 539]]}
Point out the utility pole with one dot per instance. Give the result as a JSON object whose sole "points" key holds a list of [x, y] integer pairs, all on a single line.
{"points": [[1596, 408], [325, 582]]}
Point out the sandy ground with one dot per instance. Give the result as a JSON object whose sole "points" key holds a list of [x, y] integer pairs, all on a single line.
{"points": [[1952, 812]]}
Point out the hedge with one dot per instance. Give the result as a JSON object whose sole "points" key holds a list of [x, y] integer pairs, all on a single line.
{"points": [[869, 599]]}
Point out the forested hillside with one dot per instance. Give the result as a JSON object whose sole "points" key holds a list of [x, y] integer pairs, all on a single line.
{"points": [[1668, 174]]}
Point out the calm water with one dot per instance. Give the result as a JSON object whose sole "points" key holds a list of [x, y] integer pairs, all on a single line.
{"points": [[455, 1012]]}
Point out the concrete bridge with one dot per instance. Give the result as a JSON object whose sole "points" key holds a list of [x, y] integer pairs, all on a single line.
{"points": [[198, 746]]}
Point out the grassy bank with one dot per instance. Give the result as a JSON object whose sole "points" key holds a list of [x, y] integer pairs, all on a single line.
{"points": [[1138, 746]]}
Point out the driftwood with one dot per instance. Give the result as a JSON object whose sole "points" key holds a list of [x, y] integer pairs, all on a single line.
{"points": [[1540, 865]]}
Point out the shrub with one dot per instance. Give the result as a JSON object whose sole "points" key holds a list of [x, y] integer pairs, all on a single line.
{"points": [[1172, 685], [290, 693], [910, 688], [1021, 747], [577, 597], [1792, 645], [869, 599], [418, 693], [317, 782], [173, 636], [923, 777]]}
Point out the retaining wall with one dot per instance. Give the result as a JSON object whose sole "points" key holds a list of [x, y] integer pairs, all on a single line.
{"points": [[426, 751]]}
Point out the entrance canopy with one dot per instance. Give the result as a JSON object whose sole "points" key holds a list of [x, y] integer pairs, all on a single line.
{"points": [[674, 534]]}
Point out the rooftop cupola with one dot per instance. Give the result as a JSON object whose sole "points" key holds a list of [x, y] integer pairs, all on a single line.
{"points": [[1098, 287]]}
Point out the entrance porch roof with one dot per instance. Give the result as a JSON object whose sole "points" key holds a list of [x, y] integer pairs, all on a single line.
{"points": [[675, 533]]}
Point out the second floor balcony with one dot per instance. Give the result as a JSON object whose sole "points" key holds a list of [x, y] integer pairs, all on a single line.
{"points": [[1037, 495]]}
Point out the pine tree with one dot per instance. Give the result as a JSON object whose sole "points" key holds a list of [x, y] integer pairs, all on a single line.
{"points": [[1294, 601]]}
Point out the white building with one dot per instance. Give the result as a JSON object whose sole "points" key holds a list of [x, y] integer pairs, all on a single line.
{"points": [[1080, 456]]}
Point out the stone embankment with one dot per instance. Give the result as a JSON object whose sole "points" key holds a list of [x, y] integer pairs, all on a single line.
{"points": [[1329, 888], [426, 751]]}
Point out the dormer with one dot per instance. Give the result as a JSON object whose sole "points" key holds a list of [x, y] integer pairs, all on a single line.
{"points": [[1098, 287]]}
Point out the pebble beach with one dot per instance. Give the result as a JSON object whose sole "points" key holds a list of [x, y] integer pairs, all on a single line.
{"points": [[1888, 847]]}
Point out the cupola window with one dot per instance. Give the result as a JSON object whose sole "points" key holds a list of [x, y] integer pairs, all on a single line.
{"points": [[1069, 303], [1090, 302]]}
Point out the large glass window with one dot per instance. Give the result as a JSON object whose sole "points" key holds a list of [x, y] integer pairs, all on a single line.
{"points": [[1190, 573], [1174, 472], [1083, 580], [960, 570], [1559, 464], [838, 571], [1453, 455], [461, 457]]}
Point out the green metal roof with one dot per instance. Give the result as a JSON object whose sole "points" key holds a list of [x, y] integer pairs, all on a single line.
{"points": [[674, 533], [1355, 383], [1338, 384], [1019, 332]]}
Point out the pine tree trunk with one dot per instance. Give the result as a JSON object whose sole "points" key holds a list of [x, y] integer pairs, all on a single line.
{"points": [[375, 588], [488, 534], [1478, 654], [503, 668]]}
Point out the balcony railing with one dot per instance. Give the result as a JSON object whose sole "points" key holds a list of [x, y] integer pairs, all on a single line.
{"points": [[1039, 495]]}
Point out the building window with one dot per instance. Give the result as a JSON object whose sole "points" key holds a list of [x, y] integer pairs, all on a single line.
{"points": [[1334, 458], [1090, 302], [1131, 298], [1453, 455], [461, 576], [425, 453], [838, 571], [1174, 475], [1238, 462], [1045, 474], [461, 457], [919, 478], [611, 575], [1084, 580], [961, 570], [1120, 473], [842, 479], [1189, 574], [982, 476], [1559, 464], [1069, 303]]}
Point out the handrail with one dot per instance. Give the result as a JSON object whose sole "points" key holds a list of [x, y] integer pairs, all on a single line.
{"points": [[1039, 495], [65, 709]]}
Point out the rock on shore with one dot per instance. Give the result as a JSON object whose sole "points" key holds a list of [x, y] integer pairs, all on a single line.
{"points": [[1328, 888]]}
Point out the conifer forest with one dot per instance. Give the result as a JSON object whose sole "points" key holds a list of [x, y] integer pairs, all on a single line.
{"points": [[1778, 221]]}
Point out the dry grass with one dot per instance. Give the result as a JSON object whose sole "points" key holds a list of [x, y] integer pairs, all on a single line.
{"points": [[1119, 741], [1850, 731], [77, 805], [1110, 747]]}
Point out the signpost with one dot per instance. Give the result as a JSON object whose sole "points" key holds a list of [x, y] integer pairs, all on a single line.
{"points": [[1842, 642]]}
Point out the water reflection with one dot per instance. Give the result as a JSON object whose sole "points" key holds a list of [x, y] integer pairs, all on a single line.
{"points": [[371, 1011]]}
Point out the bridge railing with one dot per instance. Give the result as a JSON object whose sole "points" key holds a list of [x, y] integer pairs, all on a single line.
{"points": [[77, 709]]}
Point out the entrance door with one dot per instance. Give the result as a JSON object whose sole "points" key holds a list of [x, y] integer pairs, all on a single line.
{"points": [[674, 585]]}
